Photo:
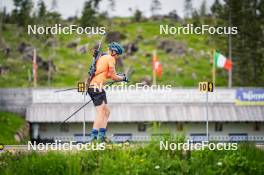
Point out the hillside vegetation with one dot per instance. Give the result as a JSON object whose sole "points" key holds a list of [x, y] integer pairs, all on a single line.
{"points": [[185, 58], [10, 123]]}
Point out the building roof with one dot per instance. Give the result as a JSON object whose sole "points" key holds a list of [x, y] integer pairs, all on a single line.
{"points": [[185, 105], [178, 112]]}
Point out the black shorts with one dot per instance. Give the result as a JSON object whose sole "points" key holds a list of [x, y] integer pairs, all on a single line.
{"points": [[98, 96]]}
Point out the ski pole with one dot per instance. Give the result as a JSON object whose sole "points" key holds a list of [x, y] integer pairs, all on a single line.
{"points": [[109, 83], [75, 112]]}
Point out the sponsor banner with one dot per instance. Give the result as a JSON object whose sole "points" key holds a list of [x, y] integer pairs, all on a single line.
{"points": [[196, 138], [249, 96]]}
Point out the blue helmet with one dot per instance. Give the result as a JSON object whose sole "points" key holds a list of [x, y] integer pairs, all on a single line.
{"points": [[116, 47]]}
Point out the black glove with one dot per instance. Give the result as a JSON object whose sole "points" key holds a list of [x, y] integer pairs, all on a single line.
{"points": [[125, 78]]}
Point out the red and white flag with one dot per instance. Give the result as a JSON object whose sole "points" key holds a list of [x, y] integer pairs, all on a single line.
{"points": [[157, 66]]}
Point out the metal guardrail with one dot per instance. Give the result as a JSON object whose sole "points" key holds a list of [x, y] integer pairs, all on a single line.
{"points": [[148, 138]]}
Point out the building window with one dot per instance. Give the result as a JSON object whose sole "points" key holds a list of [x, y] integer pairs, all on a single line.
{"points": [[256, 126], [218, 127], [142, 127], [179, 126], [65, 127]]}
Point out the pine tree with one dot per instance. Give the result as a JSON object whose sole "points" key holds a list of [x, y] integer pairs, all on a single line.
{"points": [[137, 15], [22, 11], [196, 18], [173, 15], [155, 7], [216, 8], [188, 9], [203, 9], [89, 14], [42, 10]]}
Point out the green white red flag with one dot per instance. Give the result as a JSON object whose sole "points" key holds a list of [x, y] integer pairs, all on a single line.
{"points": [[222, 62]]}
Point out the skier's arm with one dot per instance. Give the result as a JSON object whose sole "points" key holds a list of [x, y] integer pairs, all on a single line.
{"points": [[113, 74]]}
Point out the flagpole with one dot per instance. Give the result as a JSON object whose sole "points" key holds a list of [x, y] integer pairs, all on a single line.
{"points": [[84, 118], [213, 70], [230, 53], [153, 68], [35, 67]]}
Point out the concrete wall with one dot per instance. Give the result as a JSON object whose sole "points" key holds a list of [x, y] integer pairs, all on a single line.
{"points": [[15, 100]]}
